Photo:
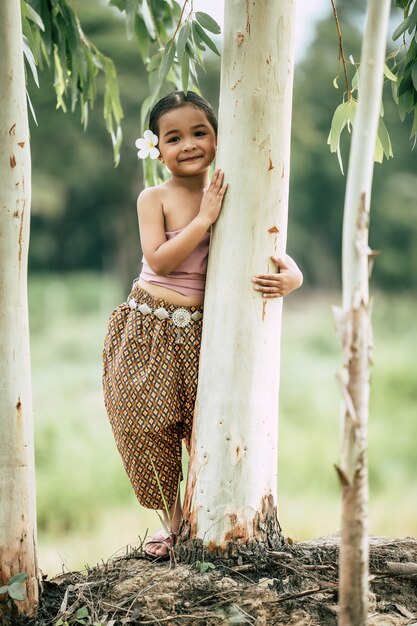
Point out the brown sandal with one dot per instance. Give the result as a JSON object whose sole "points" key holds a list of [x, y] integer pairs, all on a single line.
{"points": [[161, 538]]}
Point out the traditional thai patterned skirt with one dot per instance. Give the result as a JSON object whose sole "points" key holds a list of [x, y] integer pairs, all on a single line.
{"points": [[150, 360]]}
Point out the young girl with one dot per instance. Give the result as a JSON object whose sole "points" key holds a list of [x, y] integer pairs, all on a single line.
{"points": [[152, 346]]}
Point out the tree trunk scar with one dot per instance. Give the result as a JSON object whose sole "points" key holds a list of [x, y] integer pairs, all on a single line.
{"points": [[363, 215], [21, 144], [21, 236], [274, 230], [19, 405], [271, 167], [247, 18], [12, 129], [239, 38], [12, 161], [237, 532], [236, 84], [264, 303]]}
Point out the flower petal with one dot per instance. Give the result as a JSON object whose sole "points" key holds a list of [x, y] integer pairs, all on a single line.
{"points": [[154, 153], [148, 134], [143, 153], [140, 143]]}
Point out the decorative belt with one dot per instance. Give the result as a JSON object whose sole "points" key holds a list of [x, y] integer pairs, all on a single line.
{"points": [[180, 317]]}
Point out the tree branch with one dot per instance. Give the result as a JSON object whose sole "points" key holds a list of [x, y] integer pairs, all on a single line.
{"points": [[341, 51]]}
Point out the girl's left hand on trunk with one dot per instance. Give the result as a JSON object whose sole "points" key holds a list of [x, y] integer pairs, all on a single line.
{"points": [[288, 278]]}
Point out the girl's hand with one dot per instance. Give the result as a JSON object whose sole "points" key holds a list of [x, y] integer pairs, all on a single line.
{"points": [[213, 198], [288, 278]]}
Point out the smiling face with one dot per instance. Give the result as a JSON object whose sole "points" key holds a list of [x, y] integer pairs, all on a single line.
{"points": [[187, 141]]}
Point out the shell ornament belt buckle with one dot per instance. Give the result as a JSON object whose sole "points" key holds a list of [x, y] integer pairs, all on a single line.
{"points": [[180, 317]]}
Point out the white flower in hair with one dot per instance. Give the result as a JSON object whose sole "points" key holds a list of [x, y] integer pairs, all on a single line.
{"points": [[146, 145]]}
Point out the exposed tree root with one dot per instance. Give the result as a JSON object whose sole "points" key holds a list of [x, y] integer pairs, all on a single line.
{"points": [[295, 585]]}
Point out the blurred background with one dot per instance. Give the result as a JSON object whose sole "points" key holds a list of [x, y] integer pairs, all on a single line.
{"points": [[84, 253]]}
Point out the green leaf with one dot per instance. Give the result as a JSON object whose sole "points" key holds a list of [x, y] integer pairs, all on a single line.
{"points": [[339, 121], [32, 110], [131, 11], [202, 35], [167, 59], [183, 37], [193, 74], [413, 17], [185, 72], [4, 589], [148, 19], [34, 17], [155, 83], [414, 75], [351, 110], [414, 127], [388, 73], [82, 612], [405, 82], [31, 61], [203, 566], [384, 138], [144, 112], [379, 152], [405, 104], [198, 50], [119, 4], [154, 62], [116, 139], [18, 578], [401, 28], [142, 37], [190, 50], [207, 22], [17, 591]]}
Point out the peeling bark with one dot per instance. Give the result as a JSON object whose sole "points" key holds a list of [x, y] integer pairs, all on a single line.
{"points": [[239, 544], [354, 327], [17, 468], [233, 463]]}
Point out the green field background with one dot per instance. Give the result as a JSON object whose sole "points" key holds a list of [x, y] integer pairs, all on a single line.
{"points": [[87, 511]]}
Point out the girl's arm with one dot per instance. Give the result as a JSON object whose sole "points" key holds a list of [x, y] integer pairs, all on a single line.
{"points": [[163, 255], [288, 278]]}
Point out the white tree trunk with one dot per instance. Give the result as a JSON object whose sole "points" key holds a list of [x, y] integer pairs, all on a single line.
{"points": [[232, 484], [17, 470], [354, 322]]}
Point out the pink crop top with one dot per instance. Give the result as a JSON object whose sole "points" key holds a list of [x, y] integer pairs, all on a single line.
{"points": [[189, 277]]}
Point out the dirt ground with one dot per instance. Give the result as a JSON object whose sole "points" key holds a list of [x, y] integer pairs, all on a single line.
{"points": [[297, 585]]}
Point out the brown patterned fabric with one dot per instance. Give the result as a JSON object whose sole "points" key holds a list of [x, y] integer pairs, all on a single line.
{"points": [[150, 384]]}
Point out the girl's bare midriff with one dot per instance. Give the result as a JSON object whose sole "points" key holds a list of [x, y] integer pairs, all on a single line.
{"points": [[170, 295]]}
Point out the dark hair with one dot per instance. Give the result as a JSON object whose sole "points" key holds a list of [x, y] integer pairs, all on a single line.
{"points": [[175, 100]]}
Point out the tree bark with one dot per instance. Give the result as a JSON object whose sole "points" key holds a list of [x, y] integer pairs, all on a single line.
{"points": [[354, 324], [17, 470], [232, 481]]}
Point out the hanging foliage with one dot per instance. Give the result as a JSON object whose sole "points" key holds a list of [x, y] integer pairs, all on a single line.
{"points": [[52, 36], [402, 75], [172, 38]]}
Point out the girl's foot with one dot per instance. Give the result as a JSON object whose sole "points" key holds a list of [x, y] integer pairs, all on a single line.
{"points": [[158, 546]]}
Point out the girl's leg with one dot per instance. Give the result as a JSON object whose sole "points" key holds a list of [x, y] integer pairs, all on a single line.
{"points": [[172, 521]]}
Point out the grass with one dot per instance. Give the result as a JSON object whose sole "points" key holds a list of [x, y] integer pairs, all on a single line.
{"points": [[86, 507]]}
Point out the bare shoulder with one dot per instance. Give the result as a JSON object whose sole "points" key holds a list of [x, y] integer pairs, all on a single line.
{"points": [[149, 197], [151, 213]]}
